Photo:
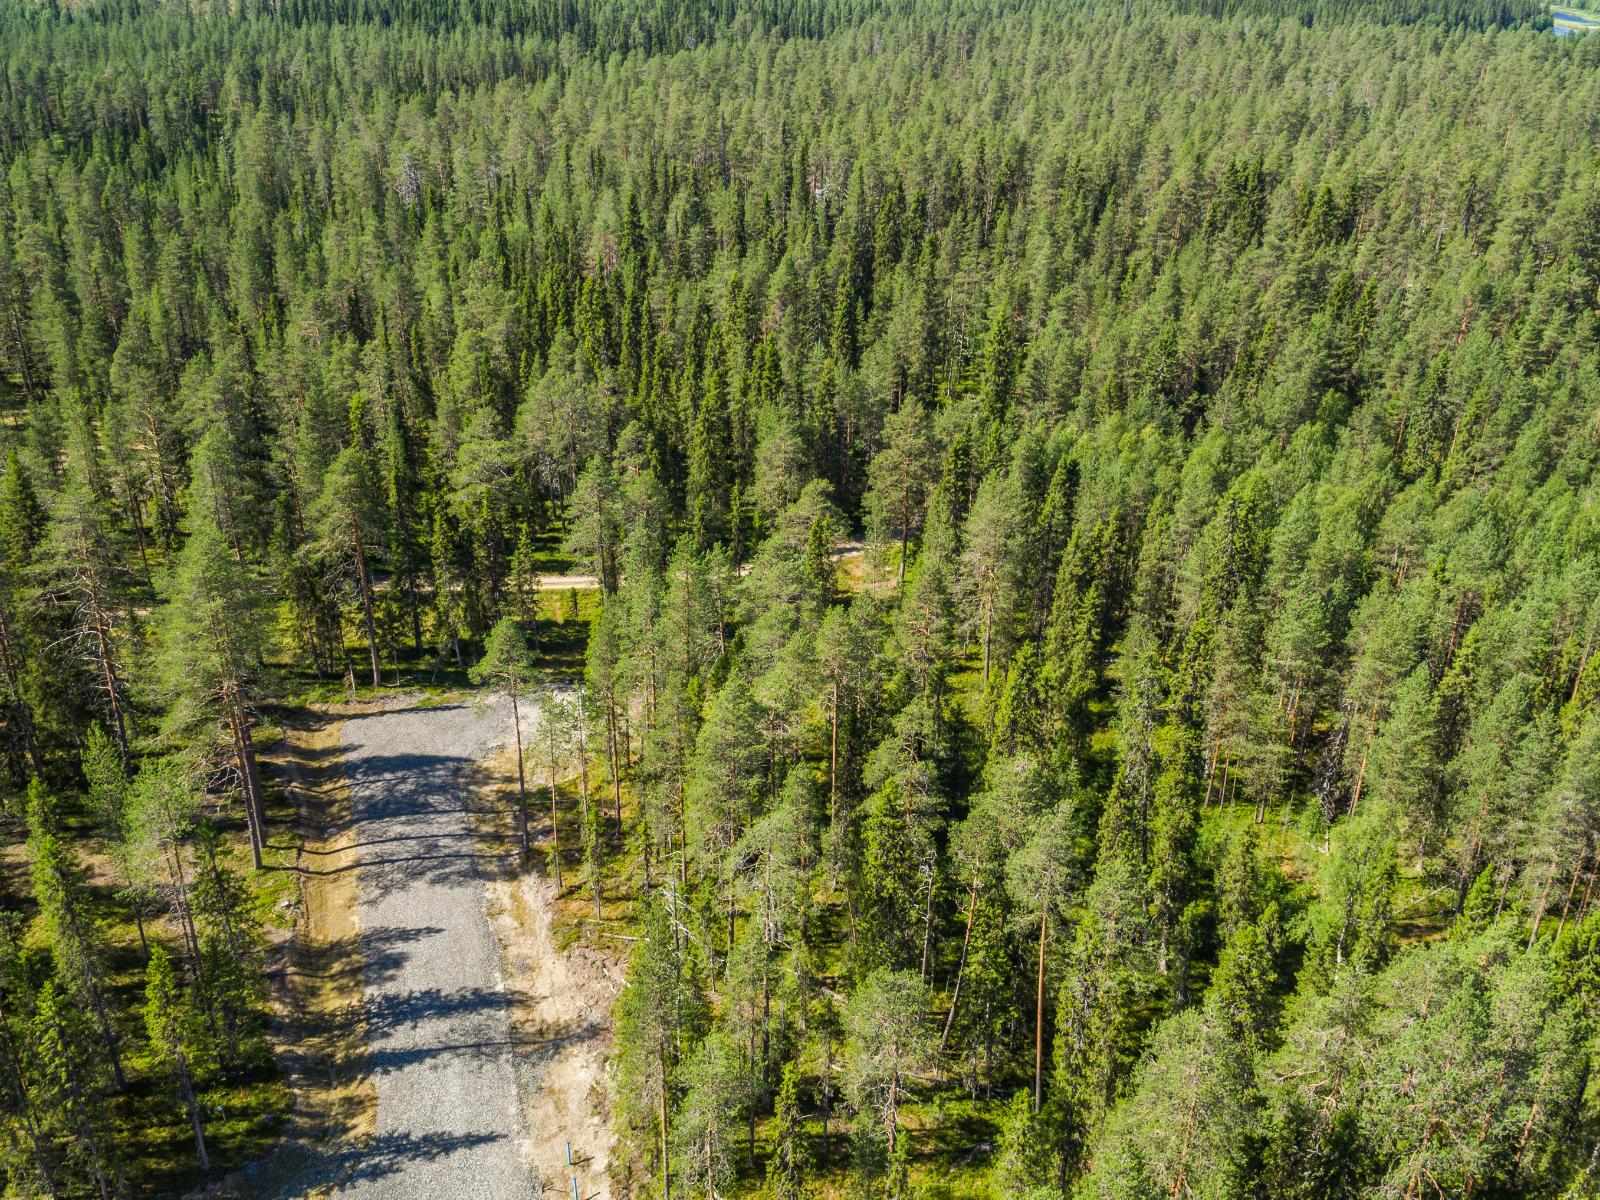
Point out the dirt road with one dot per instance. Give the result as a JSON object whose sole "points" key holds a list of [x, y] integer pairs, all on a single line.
{"points": [[438, 1015]]}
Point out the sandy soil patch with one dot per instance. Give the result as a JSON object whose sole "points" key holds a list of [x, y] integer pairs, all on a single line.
{"points": [[564, 997]]}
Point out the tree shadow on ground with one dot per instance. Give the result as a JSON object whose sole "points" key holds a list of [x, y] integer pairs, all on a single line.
{"points": [[388, 1153], [414, 813]]}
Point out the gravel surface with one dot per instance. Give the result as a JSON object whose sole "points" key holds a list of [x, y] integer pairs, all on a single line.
{"points": [[438, 1015]]}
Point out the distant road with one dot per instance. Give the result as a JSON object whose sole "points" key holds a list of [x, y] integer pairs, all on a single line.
{"points": [[560, 583], [553, 583]]}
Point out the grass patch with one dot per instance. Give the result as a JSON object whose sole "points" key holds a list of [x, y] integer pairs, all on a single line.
{"points": [[873, 568], [550, 556], [565, 617]]}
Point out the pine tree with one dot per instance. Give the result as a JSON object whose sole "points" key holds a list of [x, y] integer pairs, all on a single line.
{"points": [[1183, 1129], [231, 983], [717, 1089], [1041, 878], [725, 785], [605, 685], [1354, 922], [554, 721], [87, 579], [659, 1013], [595, 530], [351, 524], [886, 1042], [902, 475], [209, 650], [989, 539], [160, 820], [109, 801]]}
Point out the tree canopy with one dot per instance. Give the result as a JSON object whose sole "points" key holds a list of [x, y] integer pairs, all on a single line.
{"points": [[1085, 516]]}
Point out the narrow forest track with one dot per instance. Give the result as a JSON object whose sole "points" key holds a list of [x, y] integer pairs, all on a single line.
{"points": [[438, 1014]]}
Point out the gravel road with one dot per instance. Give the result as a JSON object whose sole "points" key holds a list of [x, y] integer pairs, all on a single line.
{"points": [[438, 1015]]}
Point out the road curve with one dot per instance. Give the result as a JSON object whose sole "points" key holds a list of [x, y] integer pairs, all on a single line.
{"points": [[438, 1015]]}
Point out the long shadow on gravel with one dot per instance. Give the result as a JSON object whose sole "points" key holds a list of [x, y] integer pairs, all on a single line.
{"points": [[398, 792], [389, 1010], [441, 1044], [388, 1153], [377, 955], [397, 1059], [534, 1050]]}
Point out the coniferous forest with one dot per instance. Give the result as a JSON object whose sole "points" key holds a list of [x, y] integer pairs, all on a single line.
{"points": [[1085, 688]]}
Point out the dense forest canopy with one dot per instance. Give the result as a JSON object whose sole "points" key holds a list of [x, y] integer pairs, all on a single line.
{"points": [[1194, 791]]}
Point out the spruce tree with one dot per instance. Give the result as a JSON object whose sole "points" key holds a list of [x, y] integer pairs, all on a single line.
{"points": [[61, 891], [169, 1026], [787, 1165]]}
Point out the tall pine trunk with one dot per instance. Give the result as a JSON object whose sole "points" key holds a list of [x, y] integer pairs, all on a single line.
{"points": [[113, 686], [961, 967], [611, 750], [661, 1068], [186, 1087], [249, 775], [522, 778], [364, 579], [555, 827]]}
